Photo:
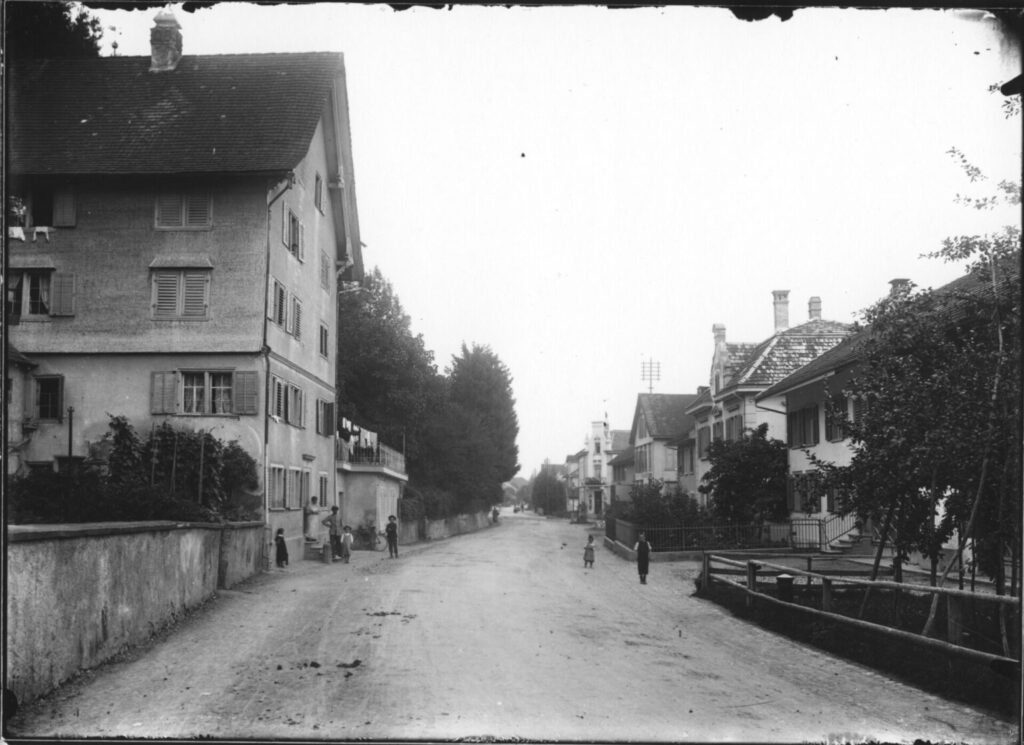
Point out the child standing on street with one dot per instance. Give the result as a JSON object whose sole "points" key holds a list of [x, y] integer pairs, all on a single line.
{"points": [[281, 549], [346, 543], [588, 553]]}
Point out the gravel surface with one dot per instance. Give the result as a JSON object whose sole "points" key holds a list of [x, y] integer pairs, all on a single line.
{"points": [[497, 635]]}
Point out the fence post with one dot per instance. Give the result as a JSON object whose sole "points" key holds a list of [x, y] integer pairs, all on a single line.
{"points": [[826, 594], [706, 583], [954, 619], [752, 567]]}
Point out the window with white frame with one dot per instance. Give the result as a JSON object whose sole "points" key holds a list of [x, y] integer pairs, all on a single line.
{"points": [[181, 294], [293, 234], [39, 293], [296, 406], [293, 487], [192, 210], [324, 340], [50, 397], [276, 486], [324, 417], [802, 427], [206, 392]]}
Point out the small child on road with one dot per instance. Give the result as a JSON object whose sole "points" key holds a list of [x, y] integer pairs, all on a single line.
{"points": [[281, 549], [346, 543], [588, 553]]}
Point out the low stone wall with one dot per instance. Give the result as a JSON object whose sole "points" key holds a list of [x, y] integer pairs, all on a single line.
{"points": [[437, 529], [79, 594]]}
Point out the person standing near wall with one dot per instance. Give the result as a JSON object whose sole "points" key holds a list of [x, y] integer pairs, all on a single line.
{"points": [[335, 530], [643, 557], [391, 533]]}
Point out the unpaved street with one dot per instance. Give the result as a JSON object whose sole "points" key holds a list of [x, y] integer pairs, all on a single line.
{"points": [[498, 634]]}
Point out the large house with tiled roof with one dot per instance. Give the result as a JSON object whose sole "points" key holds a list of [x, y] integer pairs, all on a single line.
{"points": [[740, 372], [594, 473], [185, 223], [658, 420]]}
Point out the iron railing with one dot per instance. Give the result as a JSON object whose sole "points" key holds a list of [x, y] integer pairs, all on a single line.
{"points": [[378, 455]]}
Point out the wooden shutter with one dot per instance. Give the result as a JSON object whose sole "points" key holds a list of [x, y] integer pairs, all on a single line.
{"points": [[165, 294], [64, 212], [168, 211], [62, 295], [302, 242], [792, 423], [246, 394], [328, 418], [163, 394], [297, 318], [325, 271], [198, 210], [285, 224], [815, 432], [196, 296]]}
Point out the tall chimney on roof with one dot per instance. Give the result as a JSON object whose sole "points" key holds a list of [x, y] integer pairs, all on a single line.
{"points": [[814, 308], [165, 42], [781, 298], [719, 331], [898, 286]]}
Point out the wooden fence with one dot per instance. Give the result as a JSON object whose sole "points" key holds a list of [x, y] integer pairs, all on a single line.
{"points": [[721, 570]]}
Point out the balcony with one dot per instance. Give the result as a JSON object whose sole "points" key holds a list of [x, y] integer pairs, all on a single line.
{"points": [[379, 456]]}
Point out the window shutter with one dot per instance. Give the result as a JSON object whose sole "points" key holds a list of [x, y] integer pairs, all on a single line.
{"points": [[815, 436], [64, 207], [198, 209], [168, 211], [285, 224], [791, 426], [297, 320], [165, 294], [329, 418], [278, 398], [62, 295], [196, 295], [325, 271], [302, 242], [245, 393], [163, 397]]}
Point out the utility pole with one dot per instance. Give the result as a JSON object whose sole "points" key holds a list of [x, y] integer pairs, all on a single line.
{"points": [[651, 372]]}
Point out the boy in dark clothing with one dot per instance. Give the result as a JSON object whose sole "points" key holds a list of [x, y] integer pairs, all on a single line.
{"points": [[391, 533]]}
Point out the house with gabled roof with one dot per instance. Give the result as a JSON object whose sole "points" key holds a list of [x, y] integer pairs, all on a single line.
{"points": [[658, 421], [184, 225], [594, 471], [740, 372]]}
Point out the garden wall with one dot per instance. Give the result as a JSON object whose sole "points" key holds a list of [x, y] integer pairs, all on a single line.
{"points": [[79, 594]]}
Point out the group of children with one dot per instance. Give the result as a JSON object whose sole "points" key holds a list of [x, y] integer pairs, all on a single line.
{"points": [[341, 545]]}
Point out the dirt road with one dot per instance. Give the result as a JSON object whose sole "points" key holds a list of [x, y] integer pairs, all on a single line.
{"points": [[501, 634]]}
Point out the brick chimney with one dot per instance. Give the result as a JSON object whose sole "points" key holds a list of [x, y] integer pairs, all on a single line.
{"points": [[814, 308], [898, 286], [165, 42], [719, 331], [781, 298]]}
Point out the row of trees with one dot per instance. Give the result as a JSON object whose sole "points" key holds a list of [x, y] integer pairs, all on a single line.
{"points": [[458, 428]]}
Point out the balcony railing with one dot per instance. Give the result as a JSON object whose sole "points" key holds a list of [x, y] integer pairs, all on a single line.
{"points": [[377, 455]]}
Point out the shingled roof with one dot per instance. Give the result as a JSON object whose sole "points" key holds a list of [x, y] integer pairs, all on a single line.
{"points": [[665, 414], [620, 440], [227, 113], [779, 355]]}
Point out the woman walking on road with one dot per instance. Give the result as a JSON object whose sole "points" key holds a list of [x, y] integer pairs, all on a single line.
{"points": [[643, 557]]}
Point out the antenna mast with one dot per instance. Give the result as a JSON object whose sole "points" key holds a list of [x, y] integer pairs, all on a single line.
{"points": [[651, 372]]}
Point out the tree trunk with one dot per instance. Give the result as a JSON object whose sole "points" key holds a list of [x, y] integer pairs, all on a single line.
{"points": [[878, 557]]}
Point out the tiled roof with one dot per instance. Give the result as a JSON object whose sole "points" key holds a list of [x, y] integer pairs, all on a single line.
{"points": [[848, 351], [738, 356], [620, 440], [702, 399], [665, 413], [15, 357], [781, 354], [212, 114]]}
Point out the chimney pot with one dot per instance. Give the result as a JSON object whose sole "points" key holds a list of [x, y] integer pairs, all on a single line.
{"points": [[814, 308], [781, 301], [719, 331], [898, 286], [165, 42]]}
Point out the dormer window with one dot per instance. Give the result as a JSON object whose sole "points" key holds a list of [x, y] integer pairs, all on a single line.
{"points": [[184, 210]]}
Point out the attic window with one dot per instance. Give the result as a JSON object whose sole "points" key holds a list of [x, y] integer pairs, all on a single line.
{"points": [[184, 210]]}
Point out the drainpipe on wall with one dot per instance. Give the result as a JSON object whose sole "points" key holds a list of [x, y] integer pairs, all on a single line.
{"points": [[265, 352]]}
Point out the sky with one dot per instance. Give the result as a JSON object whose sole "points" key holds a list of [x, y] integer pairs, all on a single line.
{"points": [[584, 189]]}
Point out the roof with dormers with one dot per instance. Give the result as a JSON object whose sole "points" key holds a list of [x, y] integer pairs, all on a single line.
{"points": [[227, 113], [779, 355]]}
